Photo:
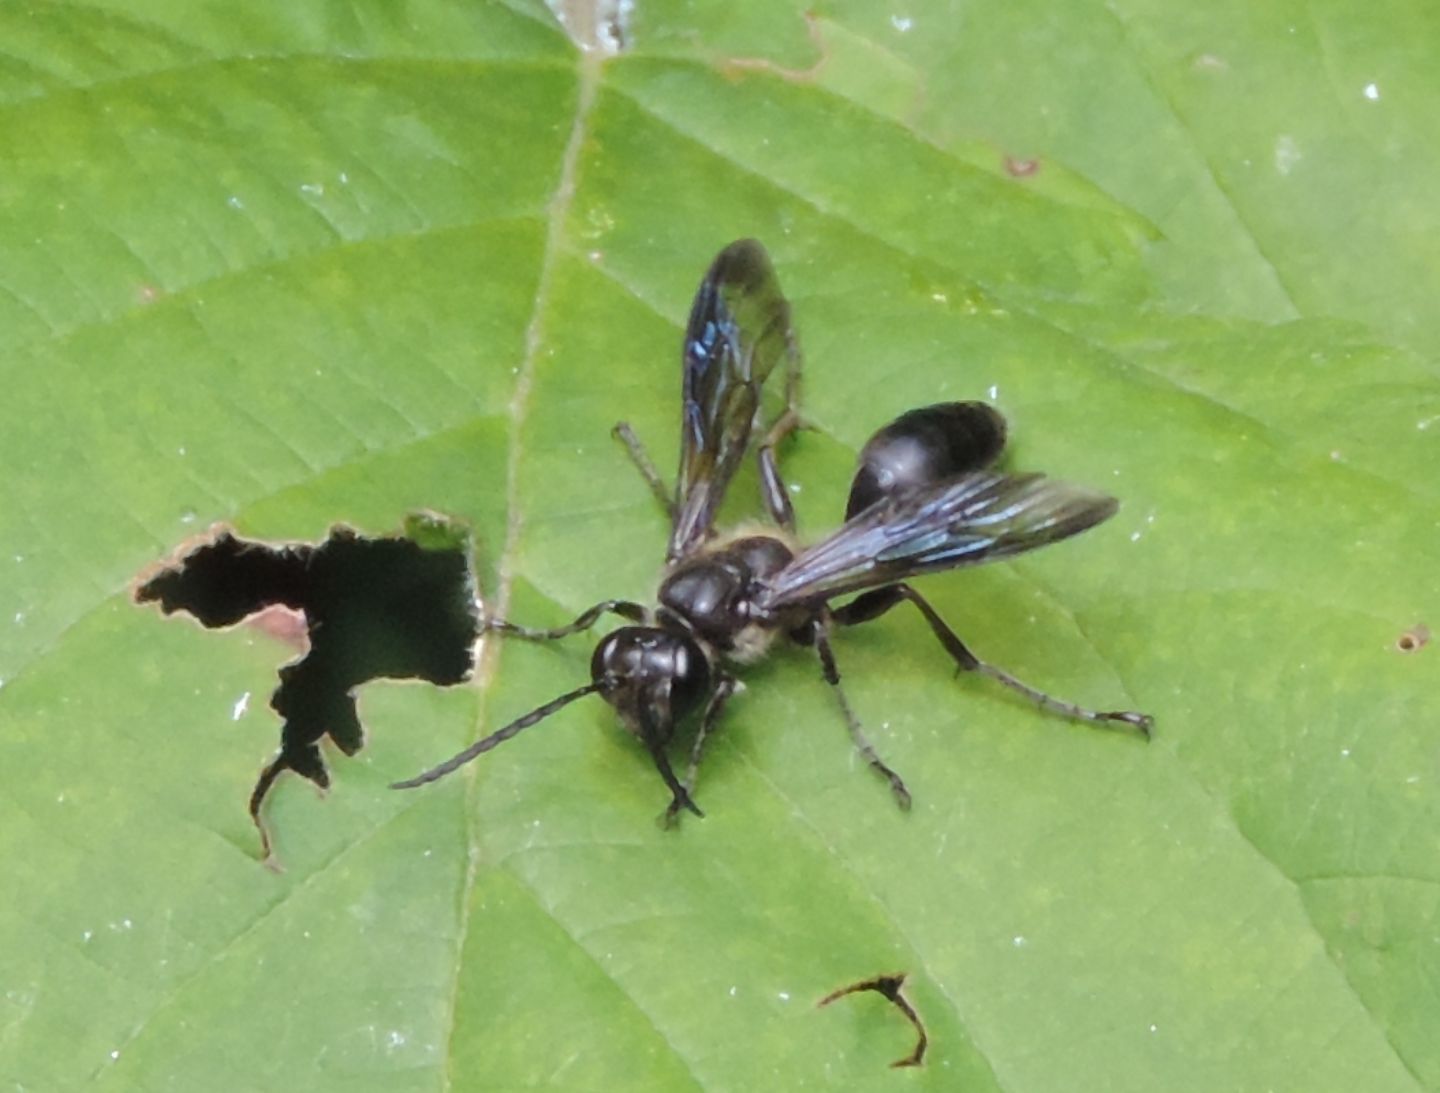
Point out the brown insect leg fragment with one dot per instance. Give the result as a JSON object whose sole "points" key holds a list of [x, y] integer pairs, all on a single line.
{"points": [[889, 986]]}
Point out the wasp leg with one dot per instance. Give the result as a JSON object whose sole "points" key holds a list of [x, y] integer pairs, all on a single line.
{"points": [[772, 486], [724, 688], [626, 609], [641, 458], [875, 603], [654, 741], [821, 638]]}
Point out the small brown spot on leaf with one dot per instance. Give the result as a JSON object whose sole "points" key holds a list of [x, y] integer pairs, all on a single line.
{"points": [[1016, 167], [1413, 639]]}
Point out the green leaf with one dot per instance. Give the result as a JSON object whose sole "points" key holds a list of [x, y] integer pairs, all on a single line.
{"points": [[290, 266]]}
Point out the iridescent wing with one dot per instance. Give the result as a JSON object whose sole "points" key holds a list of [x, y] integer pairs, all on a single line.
{"points": [[739, 329], [965, 520]]}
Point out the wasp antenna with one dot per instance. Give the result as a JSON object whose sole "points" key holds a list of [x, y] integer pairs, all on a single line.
{"points": [[455, 762]]}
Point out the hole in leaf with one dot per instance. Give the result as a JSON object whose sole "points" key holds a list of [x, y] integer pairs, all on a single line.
{"points": [[398, 607]]}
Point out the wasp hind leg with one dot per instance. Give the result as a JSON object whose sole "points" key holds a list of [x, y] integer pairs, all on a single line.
{"points": [[645, 465], [873, 604], [820, 636]]}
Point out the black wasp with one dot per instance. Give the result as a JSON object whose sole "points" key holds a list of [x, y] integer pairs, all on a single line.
{"points": [[923, 500]]}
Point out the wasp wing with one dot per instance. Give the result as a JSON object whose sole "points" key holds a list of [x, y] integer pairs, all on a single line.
{"points": [[739, 329], [964, 520]]}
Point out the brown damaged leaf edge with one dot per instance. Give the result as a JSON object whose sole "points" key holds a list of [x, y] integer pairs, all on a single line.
{"points": [[734, 67], [398, 607], [889, 986]]}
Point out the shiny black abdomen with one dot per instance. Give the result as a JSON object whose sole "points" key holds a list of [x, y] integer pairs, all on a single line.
{"points": [[925, 446]]}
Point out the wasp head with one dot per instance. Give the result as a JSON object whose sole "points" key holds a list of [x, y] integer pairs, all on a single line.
{"points": [[652, 677]]}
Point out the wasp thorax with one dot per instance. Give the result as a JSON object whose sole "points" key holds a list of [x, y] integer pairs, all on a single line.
{"points": [[715, 593], [763, 556], [646, 665], [709, 593]]}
